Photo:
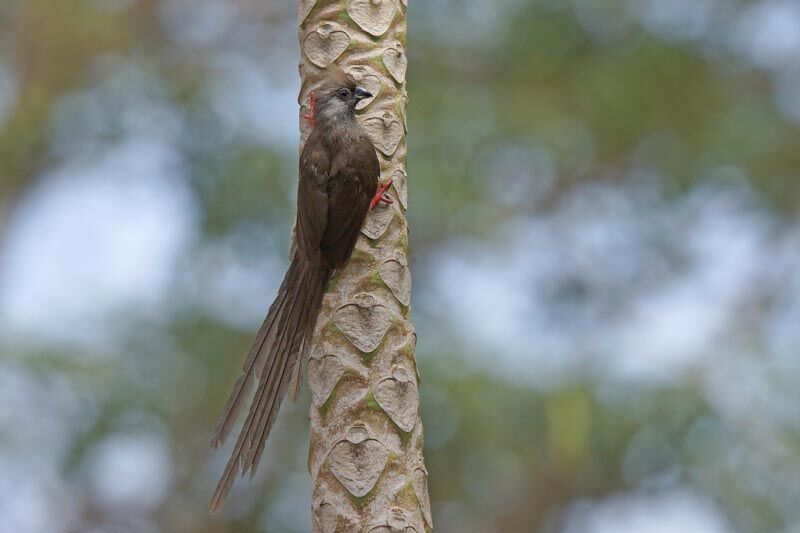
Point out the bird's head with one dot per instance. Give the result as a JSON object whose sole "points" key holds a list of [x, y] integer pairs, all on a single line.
{"points": [[337, 96]]}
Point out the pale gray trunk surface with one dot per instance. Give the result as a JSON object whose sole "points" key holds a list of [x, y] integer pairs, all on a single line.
{"points": [[365, 454]]}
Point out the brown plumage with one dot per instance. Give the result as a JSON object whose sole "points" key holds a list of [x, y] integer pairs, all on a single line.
{"points": [[339, 172]]}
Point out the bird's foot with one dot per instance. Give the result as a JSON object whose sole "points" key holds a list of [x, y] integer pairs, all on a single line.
{"points": [[380, 194], [310, 116]]}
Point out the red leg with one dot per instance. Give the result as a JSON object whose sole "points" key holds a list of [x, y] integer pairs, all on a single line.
{"points": [[310, 116], [380, 194]]}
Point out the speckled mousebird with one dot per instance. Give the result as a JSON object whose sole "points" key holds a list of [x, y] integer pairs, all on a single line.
{"points": [[338, 184]]}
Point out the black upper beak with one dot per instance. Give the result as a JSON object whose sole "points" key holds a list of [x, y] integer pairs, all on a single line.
{"points": [[360, 93]]}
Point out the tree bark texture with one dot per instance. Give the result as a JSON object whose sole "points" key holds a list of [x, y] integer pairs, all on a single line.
{"points": [[365, 454]]}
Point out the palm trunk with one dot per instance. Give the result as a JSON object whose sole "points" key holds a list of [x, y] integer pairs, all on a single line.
{"points": [[365, 454]]}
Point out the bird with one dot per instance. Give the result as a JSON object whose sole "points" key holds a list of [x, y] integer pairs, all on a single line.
{"points": [[338, 184]]}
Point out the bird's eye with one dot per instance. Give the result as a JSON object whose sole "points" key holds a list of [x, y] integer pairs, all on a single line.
{"points": [[344, 93]]}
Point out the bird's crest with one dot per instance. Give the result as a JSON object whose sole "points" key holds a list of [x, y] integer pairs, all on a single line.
{"points": [[335, 77]]}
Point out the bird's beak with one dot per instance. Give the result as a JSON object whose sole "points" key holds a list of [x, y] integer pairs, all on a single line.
{"points": [[361, 93]]}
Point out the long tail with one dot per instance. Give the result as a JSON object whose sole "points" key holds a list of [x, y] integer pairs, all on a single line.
{"points": [[273, 358]]}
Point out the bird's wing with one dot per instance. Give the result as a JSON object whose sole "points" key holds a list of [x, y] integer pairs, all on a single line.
{"points": [[312, 199], [350, 189]]}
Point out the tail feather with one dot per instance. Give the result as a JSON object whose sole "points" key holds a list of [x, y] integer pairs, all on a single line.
{"points": [[269, 390], [294, 340], [294, 391], [273, 358], [294, 334], [244, 383], [305, 340]]}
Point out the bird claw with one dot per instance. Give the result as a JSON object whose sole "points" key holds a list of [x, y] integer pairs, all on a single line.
{"points": [[310, 116], [380, 194]]}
